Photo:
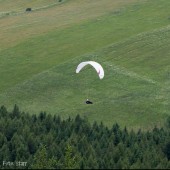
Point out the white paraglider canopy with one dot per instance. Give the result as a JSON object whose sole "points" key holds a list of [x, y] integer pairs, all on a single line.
{"points": [[96, 65]]}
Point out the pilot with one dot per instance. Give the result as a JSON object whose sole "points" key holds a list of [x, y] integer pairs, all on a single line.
{"points": [[88, 102]]}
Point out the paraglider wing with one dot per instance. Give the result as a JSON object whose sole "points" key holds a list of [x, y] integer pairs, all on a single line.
{"points": [[96, 65]]}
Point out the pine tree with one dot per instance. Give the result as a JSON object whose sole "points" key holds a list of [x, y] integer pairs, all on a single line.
{"points": [[42, 161], [11, 128], [3, 111], [31, 143], [15, 112], [2, 139], [5, 154], [70, 159], [91, 163], [166, 150]]}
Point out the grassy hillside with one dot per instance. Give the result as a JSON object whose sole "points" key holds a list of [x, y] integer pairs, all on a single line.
{"points": [[131, 42], [18, 26], [21, 5]]}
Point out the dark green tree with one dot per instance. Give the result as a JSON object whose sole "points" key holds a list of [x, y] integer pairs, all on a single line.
{"points": [[71, 160], [42, 161]]}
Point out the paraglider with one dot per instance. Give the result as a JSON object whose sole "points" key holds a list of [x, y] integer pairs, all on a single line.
{"points": [[96, 66]]}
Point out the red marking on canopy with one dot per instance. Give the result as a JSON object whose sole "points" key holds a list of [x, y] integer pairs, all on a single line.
{"points": [[98, 72]]}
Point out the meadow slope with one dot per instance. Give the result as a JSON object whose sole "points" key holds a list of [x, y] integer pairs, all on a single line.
{"points": [[131, 41]]}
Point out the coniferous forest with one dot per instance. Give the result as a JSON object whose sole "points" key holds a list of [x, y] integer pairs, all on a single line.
{"points": [[45, 141]]}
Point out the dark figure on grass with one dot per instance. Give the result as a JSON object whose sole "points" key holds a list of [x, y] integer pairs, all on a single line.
{"points": [[88, 102], [28, 9]]}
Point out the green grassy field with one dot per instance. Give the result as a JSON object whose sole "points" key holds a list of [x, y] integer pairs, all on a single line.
{"points": [[130, 39]]}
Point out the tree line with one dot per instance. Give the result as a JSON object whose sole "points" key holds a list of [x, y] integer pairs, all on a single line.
{"points": [[45, 141]]}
